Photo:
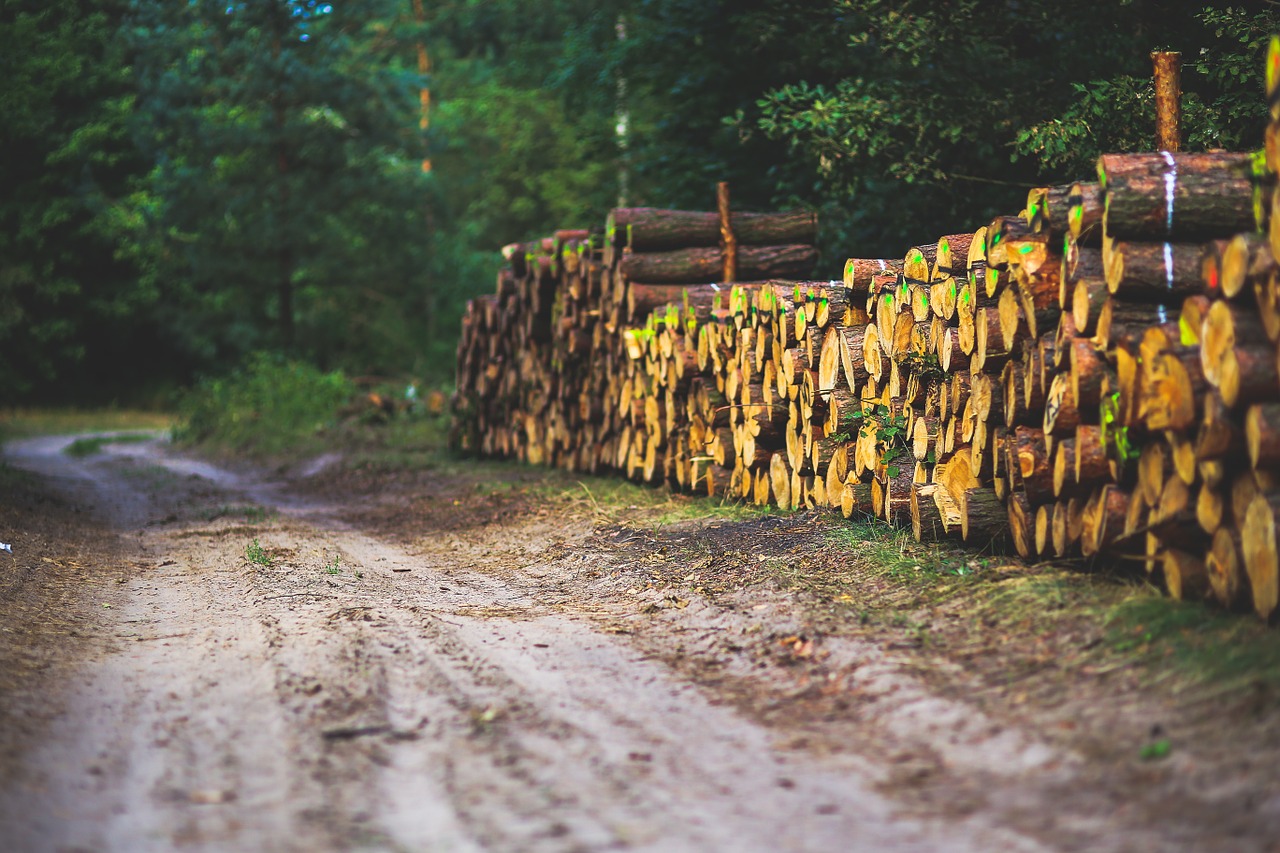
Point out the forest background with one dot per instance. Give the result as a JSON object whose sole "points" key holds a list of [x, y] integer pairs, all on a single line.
{"points": [[185, 186]]}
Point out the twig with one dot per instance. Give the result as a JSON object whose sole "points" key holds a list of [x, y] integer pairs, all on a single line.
{"points": [[293, 594], [354, 732]]}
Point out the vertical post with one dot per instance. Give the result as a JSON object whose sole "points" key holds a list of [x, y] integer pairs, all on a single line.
{"points": [[728, 243], [1168, 80]]}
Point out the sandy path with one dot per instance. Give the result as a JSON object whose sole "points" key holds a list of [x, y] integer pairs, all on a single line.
{"points": [[405, 701]]}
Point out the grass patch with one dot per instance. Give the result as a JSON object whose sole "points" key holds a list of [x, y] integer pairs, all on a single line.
{"points": [[90, 445], [1059, 616], [405, 443], [250, 513], [614, 500], [24, 423], [1199, 642]]}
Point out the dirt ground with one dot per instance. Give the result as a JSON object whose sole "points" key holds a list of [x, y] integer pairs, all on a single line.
{"points": [[459, 658]]}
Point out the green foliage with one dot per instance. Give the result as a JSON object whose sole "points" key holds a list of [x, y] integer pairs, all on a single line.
{"points": [[286, 198], [269, 406], [952, 110], [66, 291], [184, 184]]}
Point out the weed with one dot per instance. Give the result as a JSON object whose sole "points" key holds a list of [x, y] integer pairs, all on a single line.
{"points": [[1154, 751], [255, 553], [335, 567]]}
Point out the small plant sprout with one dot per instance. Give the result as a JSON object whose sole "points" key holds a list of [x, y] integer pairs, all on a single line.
{"points": [[255, 553], [335, 567]]}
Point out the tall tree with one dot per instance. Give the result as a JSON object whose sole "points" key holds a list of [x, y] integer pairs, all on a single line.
{"points": [[287, 169], [66, 164]]}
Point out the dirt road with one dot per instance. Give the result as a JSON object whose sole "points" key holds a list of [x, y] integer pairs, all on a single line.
{"points": [[263, 666]]}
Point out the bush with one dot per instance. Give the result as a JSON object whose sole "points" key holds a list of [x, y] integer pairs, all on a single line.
{"points": [[269, 406]]}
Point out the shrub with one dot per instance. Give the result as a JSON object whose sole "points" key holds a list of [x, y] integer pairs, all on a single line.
{"points": [[268, 406]]}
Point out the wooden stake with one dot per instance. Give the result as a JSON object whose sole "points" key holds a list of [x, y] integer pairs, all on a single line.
{"points": [[728, 243], [1168, 83]]}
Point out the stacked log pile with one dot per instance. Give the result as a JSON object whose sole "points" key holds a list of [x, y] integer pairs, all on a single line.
{"points": [[585, 355], [1095, 377]]}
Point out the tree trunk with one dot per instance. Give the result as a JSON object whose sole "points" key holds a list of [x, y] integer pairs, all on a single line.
{"points": [[984, 521]]}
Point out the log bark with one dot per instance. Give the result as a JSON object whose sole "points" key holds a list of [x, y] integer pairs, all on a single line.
{"points": [[1086, 205], [1167, 70], [1262, 435], [728, 239], [1258, 546], [1001, 231], [1166, 196], [984, 521], [697, 265], [1034, 469], [1151, 272], [1224, 565], [859, 273], [1091, 456], [646, 229], [1048, 210]]}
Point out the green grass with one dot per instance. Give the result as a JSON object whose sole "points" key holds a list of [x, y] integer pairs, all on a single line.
{"points": [[407, 443], [250, 513], [613, 500], [27, 422], [1102, 620], [1200, 643], [91, 445]]}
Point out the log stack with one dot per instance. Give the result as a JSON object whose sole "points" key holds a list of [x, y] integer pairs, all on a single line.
{"points": [[1095, 376], [585, 355]]}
